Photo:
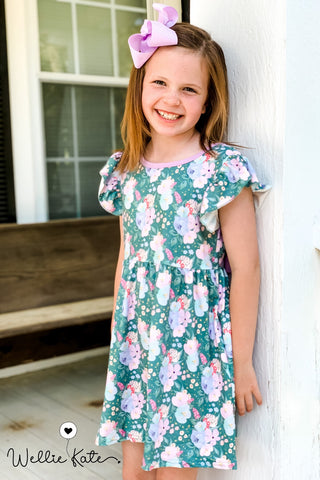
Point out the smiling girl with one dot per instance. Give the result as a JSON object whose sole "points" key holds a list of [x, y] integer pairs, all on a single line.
{"points": [[185, 201]]}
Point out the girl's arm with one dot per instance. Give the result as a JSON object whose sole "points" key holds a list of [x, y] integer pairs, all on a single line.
{"points": [[118, 271], [238, 227]]}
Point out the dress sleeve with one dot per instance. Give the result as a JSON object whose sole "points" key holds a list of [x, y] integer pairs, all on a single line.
{"points": [[233, 173], [110, 186]]}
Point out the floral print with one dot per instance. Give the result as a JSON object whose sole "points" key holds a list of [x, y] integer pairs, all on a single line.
{"points": [[170, 374]]}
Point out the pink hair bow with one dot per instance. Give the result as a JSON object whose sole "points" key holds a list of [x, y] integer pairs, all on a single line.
{"points": [[154, 34]]}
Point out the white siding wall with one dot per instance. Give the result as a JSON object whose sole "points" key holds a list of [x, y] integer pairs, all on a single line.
{"points": [[272, 51]]}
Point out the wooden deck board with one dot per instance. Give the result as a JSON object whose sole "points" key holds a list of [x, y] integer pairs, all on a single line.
{"points": [[34, 405]]}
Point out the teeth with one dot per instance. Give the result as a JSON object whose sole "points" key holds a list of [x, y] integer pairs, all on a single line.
{"points": [[168, 116]]}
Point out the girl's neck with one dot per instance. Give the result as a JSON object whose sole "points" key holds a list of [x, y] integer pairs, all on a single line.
{"points": [[162, 150]]}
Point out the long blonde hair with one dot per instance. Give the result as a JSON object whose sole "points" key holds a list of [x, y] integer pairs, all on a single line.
{"points": [[212, 124]]}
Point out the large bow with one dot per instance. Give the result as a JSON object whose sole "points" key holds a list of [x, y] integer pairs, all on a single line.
{"points": [[154, 34]]}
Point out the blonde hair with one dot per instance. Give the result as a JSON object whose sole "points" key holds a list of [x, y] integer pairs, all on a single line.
{"points": [[212, 124]]}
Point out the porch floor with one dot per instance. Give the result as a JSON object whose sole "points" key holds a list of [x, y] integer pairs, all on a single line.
{"points": [[34, 405]]}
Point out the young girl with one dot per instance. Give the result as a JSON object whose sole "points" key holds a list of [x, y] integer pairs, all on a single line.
{"points": [[185, 200]]}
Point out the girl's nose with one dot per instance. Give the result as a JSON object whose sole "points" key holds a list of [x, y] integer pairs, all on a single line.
{"points": [[172, 98]]}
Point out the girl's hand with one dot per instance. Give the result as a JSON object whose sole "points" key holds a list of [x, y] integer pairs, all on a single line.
{"points": [[246, 387]]}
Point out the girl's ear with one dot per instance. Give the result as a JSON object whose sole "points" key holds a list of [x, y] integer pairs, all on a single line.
{"points": [[204, 108]]}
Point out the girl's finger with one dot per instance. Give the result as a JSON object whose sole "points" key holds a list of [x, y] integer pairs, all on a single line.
{"points": [[240, 404], [249, 402]]}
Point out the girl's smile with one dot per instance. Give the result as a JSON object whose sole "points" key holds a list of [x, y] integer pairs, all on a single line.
{"points": [[174, 92]]}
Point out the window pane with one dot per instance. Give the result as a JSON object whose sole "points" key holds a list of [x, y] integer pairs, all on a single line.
{"points": [[57, 120], [127, 24], [61, 189], [55, 31], [95, 41], [94, 121], [119, 100], [132, 3], [89, 182]]}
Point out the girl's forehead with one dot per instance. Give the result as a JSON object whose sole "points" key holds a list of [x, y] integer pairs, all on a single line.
{"points": [[172, 60]]}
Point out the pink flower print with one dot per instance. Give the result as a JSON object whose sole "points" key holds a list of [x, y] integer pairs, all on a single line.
{"points": [[177, 196], [153, 405], [108, 431], [138, 402], [169, 372], [108, 205], [119, 337], [238, 165], [191, 349], [166, 185], [145, 375], [226, 409], [165, 190], [204, 254], [182, 398], [128, 191], [138, 195], [157, 242], [141, 255], [164, 279], [135, 436], [203, 359], [196, 414], [169, 254], [223, 463], [144, 218], [185, 262], [171, 455], [200, 295]]}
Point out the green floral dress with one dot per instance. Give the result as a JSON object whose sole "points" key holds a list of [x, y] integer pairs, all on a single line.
{"points": [[170, 374]]}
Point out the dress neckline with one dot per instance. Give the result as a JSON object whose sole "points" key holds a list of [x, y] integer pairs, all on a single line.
{"points": [[175, 163]]}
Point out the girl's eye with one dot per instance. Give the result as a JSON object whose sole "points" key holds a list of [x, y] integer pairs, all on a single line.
{"points": [[159, 82], [190, 89]]}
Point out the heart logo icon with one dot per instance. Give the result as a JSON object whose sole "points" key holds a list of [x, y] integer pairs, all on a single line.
{"points": [[68, 430]]}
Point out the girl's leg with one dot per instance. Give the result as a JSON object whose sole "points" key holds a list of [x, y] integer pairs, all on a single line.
{"points": [[168, 473], [132, 460]]}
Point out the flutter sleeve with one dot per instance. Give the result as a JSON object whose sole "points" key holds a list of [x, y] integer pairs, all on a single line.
{"points": [[234, 172], [110, 186]]}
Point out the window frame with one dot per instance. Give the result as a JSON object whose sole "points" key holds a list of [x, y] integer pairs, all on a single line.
{"points": [[25, 83]]}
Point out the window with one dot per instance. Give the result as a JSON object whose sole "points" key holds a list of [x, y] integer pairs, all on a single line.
{"points": [[85, 64]]}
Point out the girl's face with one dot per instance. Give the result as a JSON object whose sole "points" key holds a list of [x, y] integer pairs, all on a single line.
{"points": [[174, 92]]}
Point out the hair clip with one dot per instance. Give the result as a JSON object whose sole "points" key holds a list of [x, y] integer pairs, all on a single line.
{"points": [[154, 34]]}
